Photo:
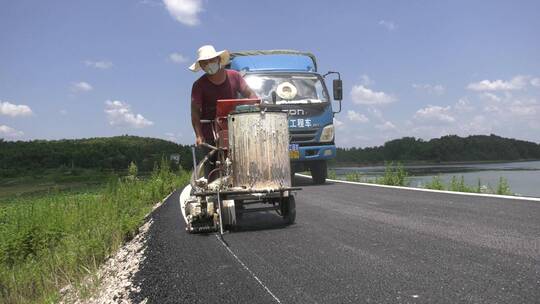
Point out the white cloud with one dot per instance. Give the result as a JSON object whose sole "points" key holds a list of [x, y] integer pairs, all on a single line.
{"points": [[534, 124], [357, 117], [386, 126], [338, 124], [520, 108], [490, 96], [436, 89], [178, 58], [184, 11], [119, 114], [479, 124], [362, 137], [9, 132], [517, 83], [174, 137], [510, 108], [81, 87], [510, 113], [366, 81], [503, 114], [99, 64], [463, 105], [535, 82], [428, 132], [362, 95], [170, 136], [389, 25], [376, 113], [14, 110], [435, 113], [492, 109]]}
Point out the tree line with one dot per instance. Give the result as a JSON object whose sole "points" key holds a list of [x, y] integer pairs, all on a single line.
{"points": [[116, 153], [449, 148], [107, 153]]}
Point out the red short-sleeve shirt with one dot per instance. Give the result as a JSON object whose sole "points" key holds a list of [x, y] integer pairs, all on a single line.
{"points": [[205, 94]]}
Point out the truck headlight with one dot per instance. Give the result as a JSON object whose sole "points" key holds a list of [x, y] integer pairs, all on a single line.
{"points": [[327, 133]]}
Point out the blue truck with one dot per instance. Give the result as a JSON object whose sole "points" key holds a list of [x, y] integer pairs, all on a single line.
{"points": [[290, 79]]}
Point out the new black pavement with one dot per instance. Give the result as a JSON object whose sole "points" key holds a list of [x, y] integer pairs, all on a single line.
{"points": [[353, 244]]}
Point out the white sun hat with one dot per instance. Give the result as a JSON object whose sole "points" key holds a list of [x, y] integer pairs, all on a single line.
{"points": [[206, 52]]}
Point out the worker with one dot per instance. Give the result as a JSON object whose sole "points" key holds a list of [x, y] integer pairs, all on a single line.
{"points": [[216, 83]]}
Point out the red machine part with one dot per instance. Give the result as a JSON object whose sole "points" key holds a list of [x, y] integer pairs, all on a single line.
{"points": [[223, 108]]}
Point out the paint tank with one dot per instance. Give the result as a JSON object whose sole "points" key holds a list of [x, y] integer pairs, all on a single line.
{"points": [[259, 149]]}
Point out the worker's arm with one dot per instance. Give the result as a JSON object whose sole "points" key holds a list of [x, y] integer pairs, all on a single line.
{"points": [[196, 122], [248, 93], [244, 89]]}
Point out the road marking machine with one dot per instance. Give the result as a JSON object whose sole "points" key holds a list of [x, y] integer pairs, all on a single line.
{"points": [[252, 170]]}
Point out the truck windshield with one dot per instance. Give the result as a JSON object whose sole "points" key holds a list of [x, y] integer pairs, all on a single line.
{"points": [[288, 88]]}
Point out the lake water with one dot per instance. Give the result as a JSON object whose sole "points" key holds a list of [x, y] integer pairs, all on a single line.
{"points": [[523, 177]]}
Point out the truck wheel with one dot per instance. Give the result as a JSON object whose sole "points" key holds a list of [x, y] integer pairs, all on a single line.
{"points": [[288, 210], [319, 172]]}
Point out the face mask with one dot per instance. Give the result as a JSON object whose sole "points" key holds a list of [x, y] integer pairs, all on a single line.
{"points": [[212, 68]]}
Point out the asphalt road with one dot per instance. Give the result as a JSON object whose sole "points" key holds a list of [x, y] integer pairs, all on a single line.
{"points": [[353, 244]]}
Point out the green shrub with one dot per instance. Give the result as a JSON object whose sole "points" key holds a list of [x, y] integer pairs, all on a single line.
{"points": [[353, 177], [459, 185], [435, 184], [479, 186], [394, 175], [132, 170], [332, 174], [503, 187]]}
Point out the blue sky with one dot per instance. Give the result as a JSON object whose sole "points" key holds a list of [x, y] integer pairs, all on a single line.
{"points": [[74, 69]]}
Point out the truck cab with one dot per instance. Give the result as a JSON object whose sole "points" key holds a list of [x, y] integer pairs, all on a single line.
{"points": [[290, 79]]}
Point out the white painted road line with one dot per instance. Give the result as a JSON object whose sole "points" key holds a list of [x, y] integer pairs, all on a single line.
{"points": [[249, 270], [524, 198]]}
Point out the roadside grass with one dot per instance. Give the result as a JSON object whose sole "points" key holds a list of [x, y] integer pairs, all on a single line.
{"points": [[56, 239], [51, 180], [396, 175], [458, 185]]}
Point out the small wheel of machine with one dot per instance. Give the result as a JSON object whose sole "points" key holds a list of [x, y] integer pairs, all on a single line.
{"points": [[239, 207], [288, 209]]}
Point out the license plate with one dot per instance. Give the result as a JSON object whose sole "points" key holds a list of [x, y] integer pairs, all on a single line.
{"points": [[294, 153]]}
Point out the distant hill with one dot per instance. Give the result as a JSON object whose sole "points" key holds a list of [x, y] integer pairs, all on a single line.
{"points": [[99, 153], [445, 149]]}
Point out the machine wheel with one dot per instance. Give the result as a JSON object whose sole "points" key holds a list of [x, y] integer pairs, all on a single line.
{"points": [[288, 210], [319, 172], [239, 205]]}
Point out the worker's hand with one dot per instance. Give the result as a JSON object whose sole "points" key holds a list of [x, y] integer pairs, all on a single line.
{"points": [[199, 140]]}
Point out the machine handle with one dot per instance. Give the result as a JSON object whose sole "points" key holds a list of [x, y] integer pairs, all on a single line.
{"points": [[209, 146]]}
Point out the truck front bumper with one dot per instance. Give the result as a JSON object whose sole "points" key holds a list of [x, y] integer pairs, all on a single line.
{"points": [[309, 153]]}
